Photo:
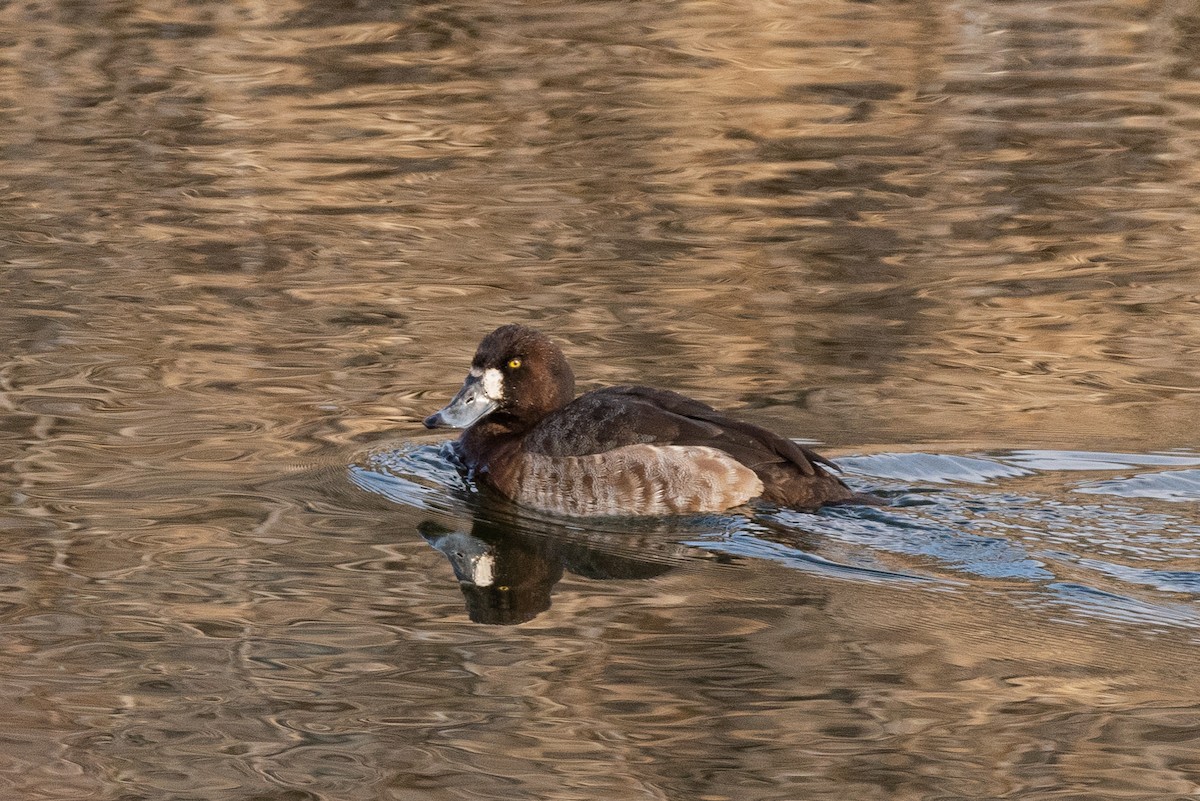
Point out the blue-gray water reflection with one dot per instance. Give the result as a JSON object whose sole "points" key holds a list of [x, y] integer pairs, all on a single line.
{"points": [[1051, 550], [247, 247]]}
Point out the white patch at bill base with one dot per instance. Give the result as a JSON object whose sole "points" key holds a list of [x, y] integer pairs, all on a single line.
{"points": [[493, 383]]}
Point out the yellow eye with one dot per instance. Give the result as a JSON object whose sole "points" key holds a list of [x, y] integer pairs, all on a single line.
{"points": [[513, 364]]}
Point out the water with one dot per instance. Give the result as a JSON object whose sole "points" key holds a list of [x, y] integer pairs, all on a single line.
{"points": [[247, 247]]}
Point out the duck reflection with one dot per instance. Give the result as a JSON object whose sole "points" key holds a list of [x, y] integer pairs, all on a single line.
{"points": [[507, 575]]}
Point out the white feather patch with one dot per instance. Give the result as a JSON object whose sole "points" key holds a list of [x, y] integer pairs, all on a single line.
{"points": [[483, 572], [493, 383]]}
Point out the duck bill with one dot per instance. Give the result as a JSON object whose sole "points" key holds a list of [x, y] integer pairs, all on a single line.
{"points": [[471, 404]]}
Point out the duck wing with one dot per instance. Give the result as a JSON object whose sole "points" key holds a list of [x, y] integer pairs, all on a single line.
{"points": [[613, 417]]}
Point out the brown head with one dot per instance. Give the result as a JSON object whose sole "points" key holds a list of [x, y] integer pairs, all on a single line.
{"points": [[518, 376]]}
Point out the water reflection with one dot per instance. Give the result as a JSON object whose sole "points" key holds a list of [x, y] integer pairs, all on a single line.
{"points": [[1051, 551], [507, 576]]}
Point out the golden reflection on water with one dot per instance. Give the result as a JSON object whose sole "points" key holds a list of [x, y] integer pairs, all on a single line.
{"points": [[244, 244]]}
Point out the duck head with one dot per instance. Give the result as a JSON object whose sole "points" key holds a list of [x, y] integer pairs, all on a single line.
{"points": [[518, 376]]}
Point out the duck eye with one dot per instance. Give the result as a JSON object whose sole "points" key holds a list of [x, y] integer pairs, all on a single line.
{"points": [[513, 364]]}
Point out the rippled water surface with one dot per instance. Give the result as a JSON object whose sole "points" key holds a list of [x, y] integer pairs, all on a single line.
{"points": [[245, 247]]}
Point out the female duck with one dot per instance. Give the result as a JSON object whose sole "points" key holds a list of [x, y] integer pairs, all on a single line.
{"points": [[617, 450]]}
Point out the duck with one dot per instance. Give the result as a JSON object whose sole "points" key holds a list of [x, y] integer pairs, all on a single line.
{"points": [[619, 450]]}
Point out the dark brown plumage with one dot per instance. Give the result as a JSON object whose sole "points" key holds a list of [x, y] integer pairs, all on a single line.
{"points": [[618, 450]]}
